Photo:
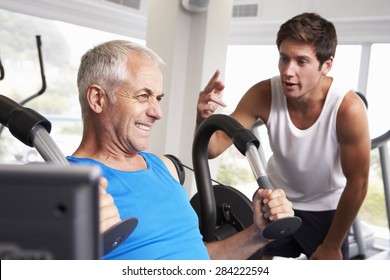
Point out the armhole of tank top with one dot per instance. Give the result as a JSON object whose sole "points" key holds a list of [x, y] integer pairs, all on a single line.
{"points": [[344, 91], [274, 85]]}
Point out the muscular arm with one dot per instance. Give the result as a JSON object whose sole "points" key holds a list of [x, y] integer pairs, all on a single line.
{"points": [[353, 132]]}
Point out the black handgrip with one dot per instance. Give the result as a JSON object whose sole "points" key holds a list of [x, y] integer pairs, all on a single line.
{"points": [[264, 183], [7, 106], [116, 235], [21, 121], [282, 227]]}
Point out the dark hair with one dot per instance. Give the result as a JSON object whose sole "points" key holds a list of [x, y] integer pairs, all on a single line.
{"points": [[310, 28]]}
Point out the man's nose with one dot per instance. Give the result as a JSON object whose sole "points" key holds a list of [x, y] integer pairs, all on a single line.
{"points": [[288, 69], [155, 110]]}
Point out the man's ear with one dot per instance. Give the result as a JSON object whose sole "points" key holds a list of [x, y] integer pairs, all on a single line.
{"points": [[327, 66], [96, 98]]}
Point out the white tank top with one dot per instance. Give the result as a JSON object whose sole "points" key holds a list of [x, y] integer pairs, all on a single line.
{"points": [[306, 163]]}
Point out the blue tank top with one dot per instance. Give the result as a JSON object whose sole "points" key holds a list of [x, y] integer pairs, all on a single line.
{"points": [[167, 224]]}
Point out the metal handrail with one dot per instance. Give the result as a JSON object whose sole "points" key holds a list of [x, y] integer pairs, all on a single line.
{"points": [[380, 140]]}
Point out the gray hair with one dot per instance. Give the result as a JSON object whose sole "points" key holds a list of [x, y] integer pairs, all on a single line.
{"points": [[106, 65]]}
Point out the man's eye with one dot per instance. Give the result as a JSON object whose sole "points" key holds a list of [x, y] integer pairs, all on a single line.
{"points": [[143, 97], [301, 62], [283, 59]]}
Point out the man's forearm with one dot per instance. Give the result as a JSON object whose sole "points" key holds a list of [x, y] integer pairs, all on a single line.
{"points": [[240, 246]]}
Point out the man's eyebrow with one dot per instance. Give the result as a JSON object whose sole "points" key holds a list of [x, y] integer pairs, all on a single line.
{"points": [[150, 93], [282, 54], [304, 56]]}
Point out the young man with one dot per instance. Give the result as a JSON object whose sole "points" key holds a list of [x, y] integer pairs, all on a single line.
{"points": [[120, 89], [318, 132]]}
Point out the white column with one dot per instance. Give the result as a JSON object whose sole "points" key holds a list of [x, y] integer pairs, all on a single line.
{"points": [[193, 45]]}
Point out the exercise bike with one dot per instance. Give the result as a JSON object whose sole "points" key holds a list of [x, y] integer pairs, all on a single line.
{"points": [[223, 210]]}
